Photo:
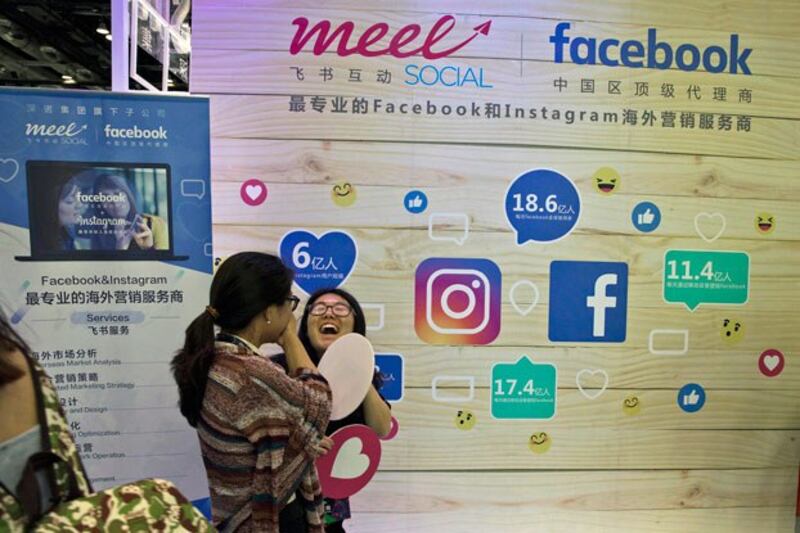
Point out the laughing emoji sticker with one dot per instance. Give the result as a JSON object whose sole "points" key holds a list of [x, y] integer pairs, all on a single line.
{"points": [[539, 442], [606, 180], [343, 194], [765, 223]]}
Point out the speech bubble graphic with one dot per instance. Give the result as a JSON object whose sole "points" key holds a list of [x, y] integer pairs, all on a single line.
{"points": [[668, 333], [351, 463], [446, 220], [319, 262], [447, 394], [193, 189], [694, 277], [586, 378], [709, 226], [523, 390], [542, 205], [378, 324], [512, 295], [9, 168]]}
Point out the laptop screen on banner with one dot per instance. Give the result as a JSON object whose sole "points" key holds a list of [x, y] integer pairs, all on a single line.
{"points": [[98, 209]]}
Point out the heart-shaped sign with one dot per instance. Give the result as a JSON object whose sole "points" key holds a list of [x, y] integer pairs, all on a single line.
{"points": [[588, 378], [319, 262], [348, 365], [710, 226], [351, 463], [9, 168]]}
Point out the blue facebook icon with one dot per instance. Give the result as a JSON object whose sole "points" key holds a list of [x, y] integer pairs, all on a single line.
{"points": [[588, 301]]}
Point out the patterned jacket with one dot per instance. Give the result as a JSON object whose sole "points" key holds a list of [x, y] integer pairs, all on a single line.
{"points": [[12, 516], [259, 429]]}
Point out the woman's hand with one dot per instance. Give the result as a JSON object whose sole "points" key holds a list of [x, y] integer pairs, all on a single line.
{"points": [[324, 446], [144, 237], [288, 333]]}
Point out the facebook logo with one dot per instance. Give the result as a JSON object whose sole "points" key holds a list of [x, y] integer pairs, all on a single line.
{"points": [[588, 301]]}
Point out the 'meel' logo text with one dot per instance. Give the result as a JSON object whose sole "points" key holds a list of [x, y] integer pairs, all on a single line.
{"points": [[652, 54]]}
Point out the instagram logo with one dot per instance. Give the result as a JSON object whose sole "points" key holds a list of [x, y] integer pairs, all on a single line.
{"points": [[457, 301]]}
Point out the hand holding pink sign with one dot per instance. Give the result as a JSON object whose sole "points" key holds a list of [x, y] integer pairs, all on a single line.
{"points": [[348, 365], [351, 463]]}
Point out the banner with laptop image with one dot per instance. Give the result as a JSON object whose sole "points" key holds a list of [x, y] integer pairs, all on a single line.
{"points": [[83, 210], [105, 255]]}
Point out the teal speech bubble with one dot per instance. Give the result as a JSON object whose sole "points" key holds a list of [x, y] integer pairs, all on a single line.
{"points": [[694, 277], [523, 390]]}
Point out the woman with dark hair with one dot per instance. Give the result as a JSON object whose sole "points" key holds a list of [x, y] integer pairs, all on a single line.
{"points": [[39, 463], [133, 230], [62, 221], [329, 314], [260, 428]]}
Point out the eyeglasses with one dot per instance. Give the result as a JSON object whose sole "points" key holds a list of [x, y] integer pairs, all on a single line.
{"points": [[339, 309], [295, 300]]}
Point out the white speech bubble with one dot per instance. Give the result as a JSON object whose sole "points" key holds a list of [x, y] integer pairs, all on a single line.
{"points": [[189, 189], [449, 219], [381, 313], [708, 216], [511, 296], [468, 380], [9, 168], [669, 332], [591, 394]]}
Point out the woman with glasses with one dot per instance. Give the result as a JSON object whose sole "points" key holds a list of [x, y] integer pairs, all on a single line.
{"points": [[329, 314], [260, 427]]}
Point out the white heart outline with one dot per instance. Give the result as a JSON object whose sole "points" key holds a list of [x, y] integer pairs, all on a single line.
{"points": [[709, 215], [532, 306], [596, 394], [16, 169]]}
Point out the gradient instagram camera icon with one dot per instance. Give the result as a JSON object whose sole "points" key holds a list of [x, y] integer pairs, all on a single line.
{"points": [[457, 301]]}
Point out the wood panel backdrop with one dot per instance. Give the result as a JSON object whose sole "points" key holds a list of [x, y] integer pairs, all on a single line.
{"points": [[733, 466]]}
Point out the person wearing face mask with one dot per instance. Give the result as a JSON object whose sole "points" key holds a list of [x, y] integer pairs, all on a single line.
{"points": [[328, 315], [260, 427]]}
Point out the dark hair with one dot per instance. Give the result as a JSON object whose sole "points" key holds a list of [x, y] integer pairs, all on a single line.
{"points": [[10, 341], [245, 284], [359, 323]]}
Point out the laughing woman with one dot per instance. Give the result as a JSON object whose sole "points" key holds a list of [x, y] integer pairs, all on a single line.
{"points": [[328, 315]]}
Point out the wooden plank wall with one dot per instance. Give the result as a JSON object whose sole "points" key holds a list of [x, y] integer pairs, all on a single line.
{"points": [[732, 466]]}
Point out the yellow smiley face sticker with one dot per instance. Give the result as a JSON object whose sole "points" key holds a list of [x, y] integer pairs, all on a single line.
{"points": [[765, 223], [631, 405], [343, 194], [732, 330], [465, 420], [539, 442], [606, 180]]}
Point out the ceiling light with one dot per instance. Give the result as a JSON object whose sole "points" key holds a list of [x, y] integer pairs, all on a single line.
{"points": [[66, 77], [69, 81], [108, 36], [102, 29]]}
